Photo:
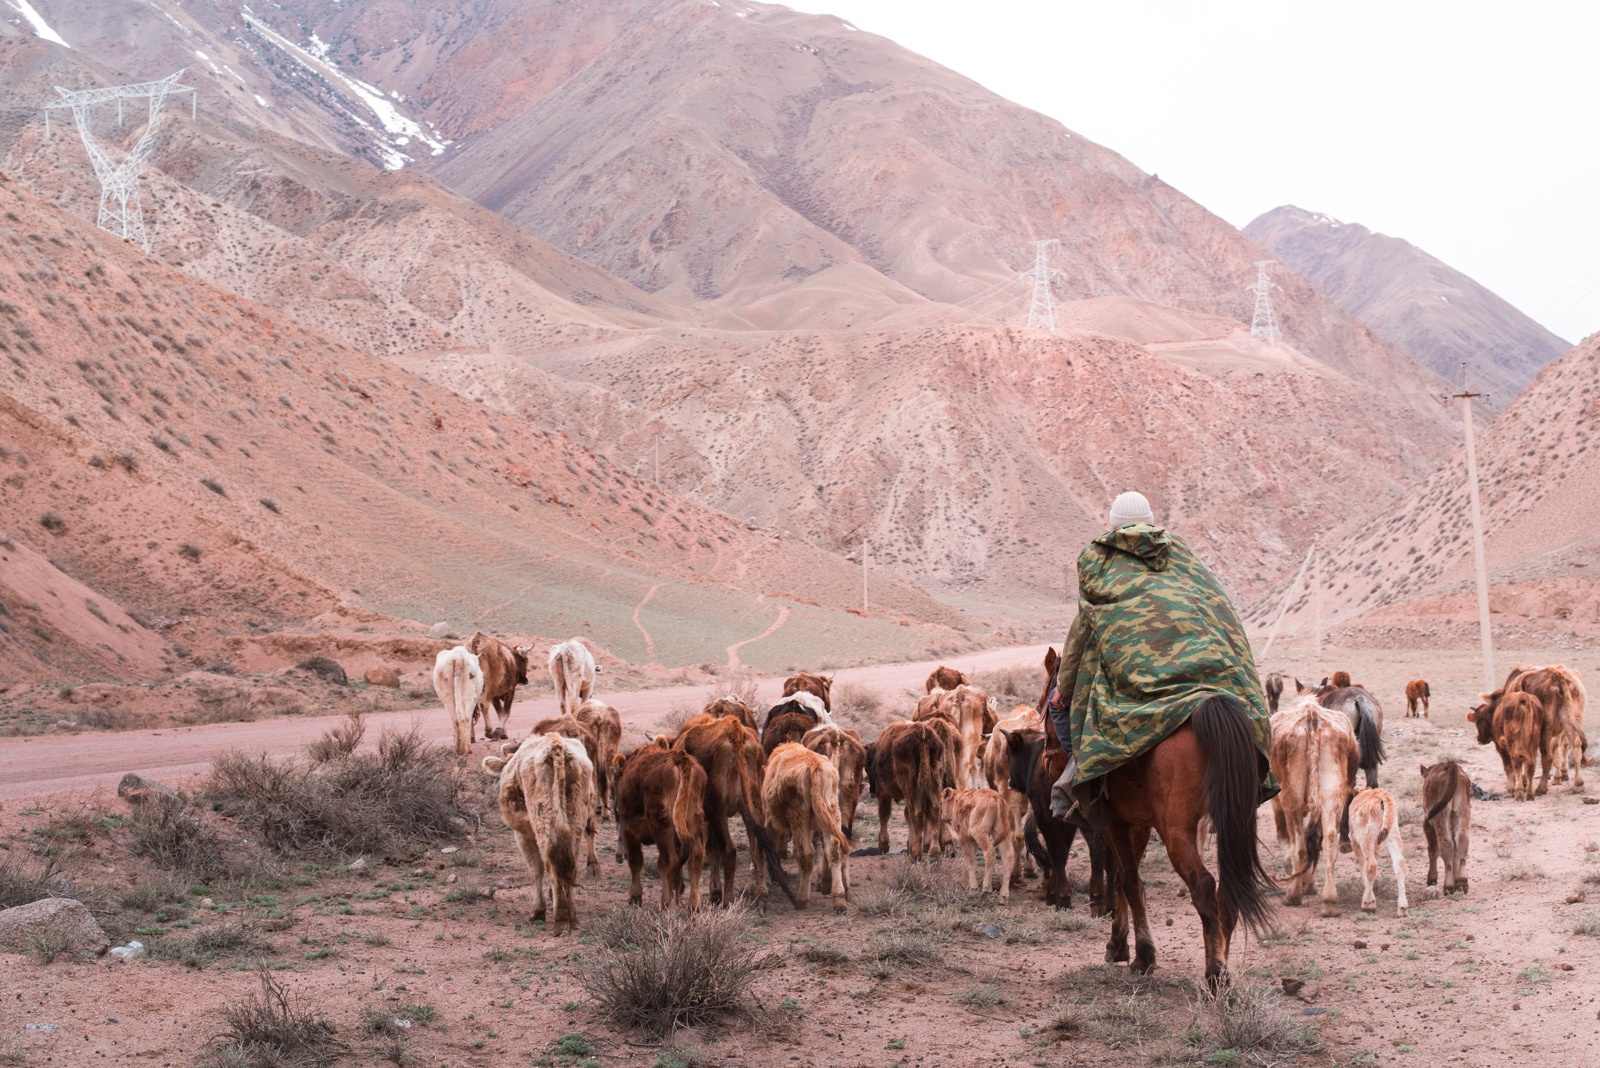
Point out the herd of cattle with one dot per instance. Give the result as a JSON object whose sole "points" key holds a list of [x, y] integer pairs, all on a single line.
{"points": [[966, 775]]}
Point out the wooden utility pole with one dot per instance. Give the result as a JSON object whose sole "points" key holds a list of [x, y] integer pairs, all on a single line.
{"points": [[864, 576], [1316, 599], [1288, 596], [1485, 631]]}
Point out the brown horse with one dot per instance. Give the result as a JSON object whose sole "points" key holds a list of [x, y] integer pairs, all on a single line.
{"points": [[1209, 766]]}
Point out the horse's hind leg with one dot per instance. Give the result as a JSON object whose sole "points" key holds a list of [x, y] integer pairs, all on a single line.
{"points": [[1190, 866], [1127, 846]]}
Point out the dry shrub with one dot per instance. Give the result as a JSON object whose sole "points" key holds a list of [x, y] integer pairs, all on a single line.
{"points": [[341, 742], [227, 939], [362, 803], [1251, 1019], [855, 704], [679, 714], [52, 939], [272, 1029], [891, 950], [22, 883], [741, 688], [663, 971], [152, 892], [1588, 925], [937, 882], [1018, 684], [175, 838]]}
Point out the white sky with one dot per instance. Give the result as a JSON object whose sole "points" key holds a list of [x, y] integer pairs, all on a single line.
{"points": [[1469, 129]]}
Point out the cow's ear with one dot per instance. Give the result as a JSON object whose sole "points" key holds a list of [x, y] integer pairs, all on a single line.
{"points": [[1472, 717], [494, 765], [949, 792], [1424, 771]]}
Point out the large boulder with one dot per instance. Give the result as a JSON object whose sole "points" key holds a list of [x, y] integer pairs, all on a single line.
{"points": [[139, 791], [383, 676], [52, 918], [327, 667], [439, 630]]}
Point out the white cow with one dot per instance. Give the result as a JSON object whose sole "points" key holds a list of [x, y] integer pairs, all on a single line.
{"points": [[572, 669], [458, 680]]}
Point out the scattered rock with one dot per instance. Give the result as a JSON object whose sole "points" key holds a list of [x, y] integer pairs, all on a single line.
{"points": [[129, 951], [383, 676], [1313, 1010], [989, 930], [358, 864], [1564, 966], [327, 667], [1591, 800], [1516, 1006], [41, 1027], [1360, 944], [18, 925], [207, 903], [1575, 898], [139, 791], [452, 877], [447, 850], [439, 630], [1291, 986], [1383, 945]]}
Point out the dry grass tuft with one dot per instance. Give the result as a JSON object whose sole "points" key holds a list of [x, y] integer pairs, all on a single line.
{"points": [[855, 704], [1252, 1020], [21, 883], [663, 971], [1588, 925], [339, 743], [176, 839], [272, 1029], [363, 803], [1017, 684]]}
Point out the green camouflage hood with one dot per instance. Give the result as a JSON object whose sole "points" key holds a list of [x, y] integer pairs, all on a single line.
{"points": [[1163, 637]]}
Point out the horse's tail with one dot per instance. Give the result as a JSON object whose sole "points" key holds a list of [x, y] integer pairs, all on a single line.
{"points": [[1372, 752], [1232, 784]]}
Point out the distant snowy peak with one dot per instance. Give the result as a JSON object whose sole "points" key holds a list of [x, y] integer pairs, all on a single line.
{"points": [[36, 22], [396, 136]]}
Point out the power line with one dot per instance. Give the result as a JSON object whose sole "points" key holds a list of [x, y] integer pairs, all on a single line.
{"points": [[120, 210], [1042, 309], [1264, 322]]}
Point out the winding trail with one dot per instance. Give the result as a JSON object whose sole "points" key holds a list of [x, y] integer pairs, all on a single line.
{"points": [[649, 642], [51, 765], [733, 650]]}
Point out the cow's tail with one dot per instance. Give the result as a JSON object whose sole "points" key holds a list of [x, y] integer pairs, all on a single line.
{"points": [[1426, 691], [1367, 736], [1453, 770], [1232, 784], [925, 791], [462, 706], [749, 809], [565, 838], [822, 816]]}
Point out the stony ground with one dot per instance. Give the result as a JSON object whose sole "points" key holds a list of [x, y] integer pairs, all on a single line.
{"points": [[908, 975]]}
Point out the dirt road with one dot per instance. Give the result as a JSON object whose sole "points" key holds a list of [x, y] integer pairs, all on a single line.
{"points": [[49, 765]]}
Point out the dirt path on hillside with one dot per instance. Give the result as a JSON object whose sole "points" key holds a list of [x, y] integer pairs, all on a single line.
{"points": [[47, 765], [649, 642], [733, 650]]}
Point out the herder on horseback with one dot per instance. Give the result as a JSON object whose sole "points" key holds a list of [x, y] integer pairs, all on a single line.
{"points": [[1159, 697]]}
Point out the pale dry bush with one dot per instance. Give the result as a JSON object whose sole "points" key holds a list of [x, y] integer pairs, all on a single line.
{"points": [[859, 706], [1017, 684]]}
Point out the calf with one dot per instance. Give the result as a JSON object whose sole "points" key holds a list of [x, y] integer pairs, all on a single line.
{"points": [[967, 710], [1519, 739], [505, 667], [817, 685], [458, 680], [1447, 796], [903, 765], [1341, 680], [605, 726], [945, 678], [731, 757], [1417, 694], [1035, 766], [801, 797], [997, 770], [660, 801], [1561, 695], [843, 749], [570, 727], [1314, 757], [732, 706], [981, 820], [1374, 816], [572, 669], [547, 799]]}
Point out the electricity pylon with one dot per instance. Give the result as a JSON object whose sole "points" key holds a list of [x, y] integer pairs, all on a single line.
{"points": [[120, 211], [1042, 310], [1264, 323]]}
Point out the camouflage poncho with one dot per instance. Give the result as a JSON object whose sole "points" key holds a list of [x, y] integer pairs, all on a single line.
{"points": [[1162, 637]]}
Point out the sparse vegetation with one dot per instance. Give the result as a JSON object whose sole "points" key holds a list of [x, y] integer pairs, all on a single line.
{"points": [[663, 971], [53, 522], [178, 840], [21, 882], [1251, 1020], [271, 1029]]}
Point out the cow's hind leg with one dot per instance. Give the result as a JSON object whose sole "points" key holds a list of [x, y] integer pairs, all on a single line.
{"points": [[635, 849], [1367, 858], [805, 858], [758, 863], [1399, 866], [1433, 857], [530, 853], [885, 810]]}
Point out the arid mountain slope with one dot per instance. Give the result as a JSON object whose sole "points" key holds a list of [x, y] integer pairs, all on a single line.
{"points": [[1410, 566], [1429, 310], [203, 461]]}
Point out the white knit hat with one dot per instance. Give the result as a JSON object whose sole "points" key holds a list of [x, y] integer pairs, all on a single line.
{"points": [[1131, 507]]}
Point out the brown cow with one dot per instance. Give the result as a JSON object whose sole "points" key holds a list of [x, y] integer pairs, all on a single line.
{"points": [[784, 727], [605, 726], [981, 820], [505, 667], [904, 764], [997, 769], [1447, 795], [733, 707], [1417, 694], [801, 796], [731, 756], [967, 709], [547, 800], [820, 685], [844, 750], [660, 801], [1314, 757], [1561, 697], [1519, 739], [945, 678], [1341, 680], [1374, 821]]}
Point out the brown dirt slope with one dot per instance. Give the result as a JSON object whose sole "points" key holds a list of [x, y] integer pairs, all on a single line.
{"points": [[204, 461], [1429, 310], [1410, 566]]}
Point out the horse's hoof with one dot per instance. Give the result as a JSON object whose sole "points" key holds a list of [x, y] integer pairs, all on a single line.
{"points": [[1329, 910], [1144, 960]]}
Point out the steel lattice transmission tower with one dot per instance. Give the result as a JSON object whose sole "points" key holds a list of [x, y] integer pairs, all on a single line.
{"points": [[120, 211], [1264, 323], [1042, 309]]}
